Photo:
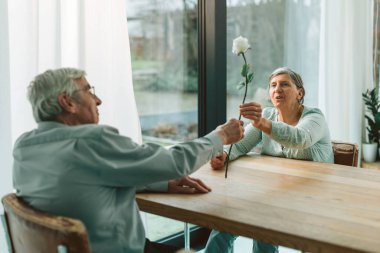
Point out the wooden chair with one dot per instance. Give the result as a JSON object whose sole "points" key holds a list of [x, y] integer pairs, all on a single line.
{"points": [[33, 231], [345, 153]]}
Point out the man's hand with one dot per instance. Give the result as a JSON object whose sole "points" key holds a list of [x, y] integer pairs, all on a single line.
{"points": [[231, 131], [217, 162], [187, 185]]}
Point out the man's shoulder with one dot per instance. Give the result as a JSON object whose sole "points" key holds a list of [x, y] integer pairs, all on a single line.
{"points": [[91, 131], [55, 133], [94, 128]]}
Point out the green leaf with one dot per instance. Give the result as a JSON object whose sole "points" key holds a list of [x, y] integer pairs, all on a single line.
{"points": [[377, 119], [372, 103], [250, 77], [372, 128], [244, 70], [371, 100], [240, 85]]}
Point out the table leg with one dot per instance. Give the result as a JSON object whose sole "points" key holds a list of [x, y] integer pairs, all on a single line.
{"points": [[186, 233]]}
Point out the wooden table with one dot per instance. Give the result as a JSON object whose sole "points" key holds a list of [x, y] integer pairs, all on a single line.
{"points": [[310, 206]]}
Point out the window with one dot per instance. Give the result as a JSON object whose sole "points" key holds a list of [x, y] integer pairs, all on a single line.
{"points": [[164, 49], [281, 33]]}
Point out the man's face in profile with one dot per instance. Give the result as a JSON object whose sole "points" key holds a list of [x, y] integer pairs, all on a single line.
{"points": [[87, 103]]}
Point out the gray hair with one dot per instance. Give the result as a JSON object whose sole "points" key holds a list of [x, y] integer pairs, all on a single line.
{"points": [[293, 75], [44, 90]]}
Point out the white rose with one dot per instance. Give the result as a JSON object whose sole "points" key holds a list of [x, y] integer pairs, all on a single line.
{"points": [[240, 45]]}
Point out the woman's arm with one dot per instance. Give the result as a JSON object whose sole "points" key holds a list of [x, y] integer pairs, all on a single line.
{"points": [[310, 129]]}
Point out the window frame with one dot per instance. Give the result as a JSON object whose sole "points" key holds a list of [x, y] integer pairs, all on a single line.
{"points": [[212, 65]]}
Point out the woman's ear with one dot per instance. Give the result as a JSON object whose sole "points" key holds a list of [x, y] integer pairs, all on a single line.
{"points": [[67, 104], [301, 93]]}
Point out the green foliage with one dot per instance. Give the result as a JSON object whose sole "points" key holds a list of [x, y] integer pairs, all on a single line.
{"points": [[372, 103], [241, 85], [244, 70], [169, 81], [144, 64], [191, 83], [250, 77]]}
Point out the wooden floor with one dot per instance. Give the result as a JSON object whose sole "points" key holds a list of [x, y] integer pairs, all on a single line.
{"points": [[374, 165]]}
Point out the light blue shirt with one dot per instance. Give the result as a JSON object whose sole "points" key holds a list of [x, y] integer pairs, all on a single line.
{"points": [[308, 140], [91, 172]]}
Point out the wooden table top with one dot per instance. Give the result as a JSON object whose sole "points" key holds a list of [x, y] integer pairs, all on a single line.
{"points": [[310, 206]]}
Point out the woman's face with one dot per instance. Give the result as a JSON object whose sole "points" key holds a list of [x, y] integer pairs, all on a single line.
{"points": [[283, 92]]}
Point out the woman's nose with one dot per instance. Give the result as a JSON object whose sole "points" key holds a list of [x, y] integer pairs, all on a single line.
{"points": [[278, 88]]}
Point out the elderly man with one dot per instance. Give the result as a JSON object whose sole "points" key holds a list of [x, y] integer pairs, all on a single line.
{"points": [[74, 167]]}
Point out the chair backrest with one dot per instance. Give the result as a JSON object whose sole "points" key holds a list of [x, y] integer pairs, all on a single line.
{"points": [[34, 231], [345, 153]]}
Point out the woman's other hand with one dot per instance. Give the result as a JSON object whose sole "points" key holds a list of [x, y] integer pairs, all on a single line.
{"points": [[217, 162]]}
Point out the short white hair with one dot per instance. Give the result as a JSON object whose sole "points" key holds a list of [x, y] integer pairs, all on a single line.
{"points": [[297, 79], [44, 90]]}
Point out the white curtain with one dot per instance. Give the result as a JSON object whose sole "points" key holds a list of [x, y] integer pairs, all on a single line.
{"points": [[5, 115], [47, 34], [330, 43], [301, 44], [345, 68]]}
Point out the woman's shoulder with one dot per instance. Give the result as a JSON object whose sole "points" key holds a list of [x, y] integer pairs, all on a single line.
{"points": [[311, 110], [269, 112]]}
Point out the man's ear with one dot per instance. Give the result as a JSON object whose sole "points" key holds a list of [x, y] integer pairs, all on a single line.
{"points": [[66, 103]]}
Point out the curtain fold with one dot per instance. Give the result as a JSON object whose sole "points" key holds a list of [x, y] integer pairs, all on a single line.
{"points": [[46, 34], [301, 45], [108, 63], [345, 67]]}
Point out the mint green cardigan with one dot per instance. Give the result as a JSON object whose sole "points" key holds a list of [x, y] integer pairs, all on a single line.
{"points": [[308, 140]]}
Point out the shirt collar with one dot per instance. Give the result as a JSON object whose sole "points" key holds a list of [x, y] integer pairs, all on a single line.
{"points": [[45, 125]]}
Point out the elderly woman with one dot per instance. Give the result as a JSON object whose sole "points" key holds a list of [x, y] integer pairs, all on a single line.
{"points": [[289, 129]]}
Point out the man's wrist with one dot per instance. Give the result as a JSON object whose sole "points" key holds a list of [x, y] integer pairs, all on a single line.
{"points": [[222, 135]]}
